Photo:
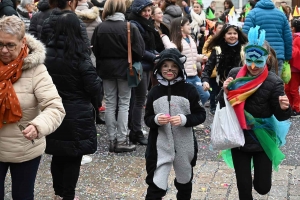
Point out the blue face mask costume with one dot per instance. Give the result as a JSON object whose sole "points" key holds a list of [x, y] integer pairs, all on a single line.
{"points": [[256, 55]]}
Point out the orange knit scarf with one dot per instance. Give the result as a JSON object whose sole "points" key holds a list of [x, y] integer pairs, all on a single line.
{"points": [[10, 109]]}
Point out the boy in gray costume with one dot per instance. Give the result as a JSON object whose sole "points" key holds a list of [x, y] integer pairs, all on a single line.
{"points": [[172, 109]]}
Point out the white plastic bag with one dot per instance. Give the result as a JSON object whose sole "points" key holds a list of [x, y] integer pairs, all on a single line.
{"points": [[226, 132]]}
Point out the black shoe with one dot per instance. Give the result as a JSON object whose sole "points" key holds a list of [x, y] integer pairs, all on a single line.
{"points": [[124, 147], [112, 145], [137, 137], [295, 114]]}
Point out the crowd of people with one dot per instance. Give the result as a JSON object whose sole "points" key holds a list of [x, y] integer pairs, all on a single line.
{"points": [[64, 61]]}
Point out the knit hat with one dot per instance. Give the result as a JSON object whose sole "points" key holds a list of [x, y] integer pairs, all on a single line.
{"points": [[173, 55], [138, 5]]}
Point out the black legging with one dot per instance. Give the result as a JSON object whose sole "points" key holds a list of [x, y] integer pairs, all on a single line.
{"points": [[65, 172], [262, 172]]}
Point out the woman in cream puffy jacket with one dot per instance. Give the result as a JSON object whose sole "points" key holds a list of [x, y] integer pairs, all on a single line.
{"points": [[30, 107]]}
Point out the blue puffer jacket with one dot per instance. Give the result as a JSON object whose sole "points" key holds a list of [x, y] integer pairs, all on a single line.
{"points": [[275, 23]]}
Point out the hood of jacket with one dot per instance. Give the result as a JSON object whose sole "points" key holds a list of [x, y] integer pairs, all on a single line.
{"points": [[265, 4], [174, 55], [5, 3], [85, 14], [173, 10], [138, 5], [36, 55], [43, 5]]}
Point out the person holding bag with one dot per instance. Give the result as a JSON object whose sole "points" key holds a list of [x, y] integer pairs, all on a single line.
{"points": [[257, 96], [112, 65], [140, 17]]}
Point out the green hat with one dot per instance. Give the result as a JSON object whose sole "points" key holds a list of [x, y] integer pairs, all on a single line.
{"points": [[200, 2], [210, 15]]}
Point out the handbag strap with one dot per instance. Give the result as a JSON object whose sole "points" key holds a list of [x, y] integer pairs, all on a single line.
{"points": [[129, 50]]}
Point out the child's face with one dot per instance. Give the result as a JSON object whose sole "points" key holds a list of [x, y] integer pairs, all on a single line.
{"points": [[197, 8], [146, 12], [169, 70], [186, 28], [231, 36], [157, 15]]}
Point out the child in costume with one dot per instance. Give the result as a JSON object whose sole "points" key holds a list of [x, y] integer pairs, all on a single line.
{"points": [[257, 96], [226, 53], [292, 88], [172, 109]]}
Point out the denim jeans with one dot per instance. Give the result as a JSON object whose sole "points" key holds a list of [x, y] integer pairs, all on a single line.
{"points": [[137, 103], [196, 81], [22, 177], [116, 93]]}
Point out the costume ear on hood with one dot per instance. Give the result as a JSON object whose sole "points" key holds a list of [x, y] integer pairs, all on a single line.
{"points": [[173, 55]]}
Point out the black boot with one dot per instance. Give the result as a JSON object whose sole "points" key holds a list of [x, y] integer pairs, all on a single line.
{"points": [[137, 137]]}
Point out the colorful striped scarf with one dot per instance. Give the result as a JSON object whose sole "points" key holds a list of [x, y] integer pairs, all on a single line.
{"points": [[241, 88]]}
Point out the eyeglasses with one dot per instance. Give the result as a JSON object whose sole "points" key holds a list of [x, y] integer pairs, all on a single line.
{"points": [[8, 46]]}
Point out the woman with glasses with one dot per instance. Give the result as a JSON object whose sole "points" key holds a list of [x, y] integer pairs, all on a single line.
{"points": [[25, 10], [30, 107]]}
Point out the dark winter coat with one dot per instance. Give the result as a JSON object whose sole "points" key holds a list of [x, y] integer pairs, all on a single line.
{"points": [[110, 48], [77, 83], [48, 26], [37, 20], [158, 41], [262, 104], [7, 8], [229, 58], [148, 32]]}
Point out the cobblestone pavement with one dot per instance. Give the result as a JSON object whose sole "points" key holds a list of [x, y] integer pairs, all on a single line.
{"points": [[122, 176]]}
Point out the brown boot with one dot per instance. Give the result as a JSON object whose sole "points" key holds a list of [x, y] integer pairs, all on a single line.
{"points": [[124, 147]]}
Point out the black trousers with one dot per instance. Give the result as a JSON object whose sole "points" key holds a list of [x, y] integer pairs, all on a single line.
{"points": [[65, 172], [262, 172]]}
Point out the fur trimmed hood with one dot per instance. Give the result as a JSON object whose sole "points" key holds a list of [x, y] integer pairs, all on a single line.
{"points": [[36, 55], [87, 14]]}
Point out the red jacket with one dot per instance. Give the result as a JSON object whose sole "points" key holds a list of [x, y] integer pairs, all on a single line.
{"points": [[295, 61]]}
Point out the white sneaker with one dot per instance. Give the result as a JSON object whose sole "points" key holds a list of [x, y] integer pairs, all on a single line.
{"points": [[200, 126], [86, 159]]}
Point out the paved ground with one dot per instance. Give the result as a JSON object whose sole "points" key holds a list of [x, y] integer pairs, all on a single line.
{"points": [[121, 176]]}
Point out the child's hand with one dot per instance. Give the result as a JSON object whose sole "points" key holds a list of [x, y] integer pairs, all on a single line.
{"points": [[284, 102], [163, 119], [205, 86], [175, 120], [226, 83]]}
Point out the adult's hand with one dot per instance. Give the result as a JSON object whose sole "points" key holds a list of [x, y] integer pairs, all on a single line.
{"points": [[30, 132], [205, 86]]}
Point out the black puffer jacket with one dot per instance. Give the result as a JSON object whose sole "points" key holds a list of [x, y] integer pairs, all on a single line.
{"points": [[7, 8], [48, 27], [262, 104], [229, 58], [37, 20], [77, 83], [110, 48]]}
